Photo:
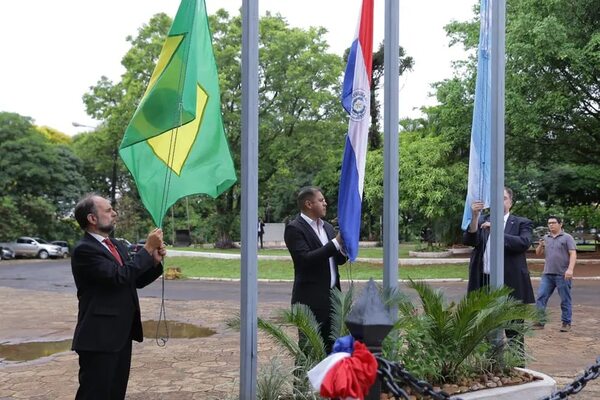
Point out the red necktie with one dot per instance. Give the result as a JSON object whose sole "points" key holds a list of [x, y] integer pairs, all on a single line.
{"points": [[113, 250]]}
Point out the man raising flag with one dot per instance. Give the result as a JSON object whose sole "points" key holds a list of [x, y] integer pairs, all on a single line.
{"points": [[356, 101], [479, 186]]}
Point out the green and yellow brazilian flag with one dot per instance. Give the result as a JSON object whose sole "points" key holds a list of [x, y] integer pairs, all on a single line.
{"points": [[175, 143]]}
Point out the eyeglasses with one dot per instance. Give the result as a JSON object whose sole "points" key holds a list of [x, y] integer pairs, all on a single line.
{"points": [[552, 223]]}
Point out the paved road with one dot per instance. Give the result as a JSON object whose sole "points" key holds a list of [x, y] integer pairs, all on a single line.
{"points": [[208, 368], [55, 276]]}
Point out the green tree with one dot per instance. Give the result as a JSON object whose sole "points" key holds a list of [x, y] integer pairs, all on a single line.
{"points": [[552, 113], [12, 222], [302, 126], [405, 64], [298, 95], [53, 135], [428, 185], [114, 104], [41, 177]]}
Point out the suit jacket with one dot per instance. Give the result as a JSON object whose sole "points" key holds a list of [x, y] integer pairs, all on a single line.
{"points": [[312, 274], [517, 239], [109, 309]]}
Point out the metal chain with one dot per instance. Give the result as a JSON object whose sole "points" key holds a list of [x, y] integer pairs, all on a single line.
{"points": [[591, 373], [391, 373]]}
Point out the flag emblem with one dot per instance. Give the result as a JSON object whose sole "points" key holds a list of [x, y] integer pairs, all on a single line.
{"points": [[356, 100], [360, 104]]}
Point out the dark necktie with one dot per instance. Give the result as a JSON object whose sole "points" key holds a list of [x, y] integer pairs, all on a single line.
{"points": [[113, 250]]}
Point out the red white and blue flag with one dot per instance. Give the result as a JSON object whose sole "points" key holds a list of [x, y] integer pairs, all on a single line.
{"points": [[348, 373], [356, 100]]}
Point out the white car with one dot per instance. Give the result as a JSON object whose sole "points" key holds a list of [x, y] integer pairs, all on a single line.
{"points": [[26, 246], [64, 246]]}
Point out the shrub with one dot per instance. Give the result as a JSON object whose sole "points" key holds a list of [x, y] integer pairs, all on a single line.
{"points": [[444, 342]]}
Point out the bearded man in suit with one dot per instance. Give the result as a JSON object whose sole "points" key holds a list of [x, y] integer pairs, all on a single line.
{"points": [[316, 252], [109, 318]]}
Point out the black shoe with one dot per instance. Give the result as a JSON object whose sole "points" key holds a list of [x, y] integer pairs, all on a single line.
{"points": [[537, 326]]}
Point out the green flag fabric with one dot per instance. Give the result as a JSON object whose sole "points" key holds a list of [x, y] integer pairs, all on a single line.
{"points": [[175, 144]]}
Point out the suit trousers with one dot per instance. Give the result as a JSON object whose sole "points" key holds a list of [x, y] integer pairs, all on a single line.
{"points": [[104, 376]]}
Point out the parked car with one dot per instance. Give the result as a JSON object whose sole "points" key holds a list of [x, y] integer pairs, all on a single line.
{"points": [[6, 253], [26, 246], [64, 246], [134, 248]]}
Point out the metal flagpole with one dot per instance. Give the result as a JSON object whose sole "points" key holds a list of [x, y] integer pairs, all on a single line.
{"points": [[390, 147], [497, 151], [249, 167]]}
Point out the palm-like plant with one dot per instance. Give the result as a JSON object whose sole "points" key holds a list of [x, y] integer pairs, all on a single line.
{"points": [[445, 335], [311, 350], [301, 317]]}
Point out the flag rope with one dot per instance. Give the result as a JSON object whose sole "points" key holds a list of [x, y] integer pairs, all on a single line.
{"points": [[161, 341], [181, 98], [349, 277]]}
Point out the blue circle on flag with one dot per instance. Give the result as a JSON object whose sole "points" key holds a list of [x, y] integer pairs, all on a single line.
{"points": [[360, 104]]}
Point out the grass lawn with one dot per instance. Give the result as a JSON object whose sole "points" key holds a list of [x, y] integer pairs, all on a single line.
{"points": [[586, 247], [192, 267], [365, 252]]}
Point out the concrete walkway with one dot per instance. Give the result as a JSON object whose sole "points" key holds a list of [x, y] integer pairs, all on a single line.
{"points": [[208, 368]]}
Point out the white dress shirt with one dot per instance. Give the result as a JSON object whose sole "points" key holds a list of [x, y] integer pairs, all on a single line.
{"points": [[100, 238], [317, 226], [486, 253]]}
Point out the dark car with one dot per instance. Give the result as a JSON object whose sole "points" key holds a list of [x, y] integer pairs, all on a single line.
{"points": [[134, 248]]}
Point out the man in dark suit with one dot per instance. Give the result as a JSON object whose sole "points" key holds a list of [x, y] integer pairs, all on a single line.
{"points": [[316, 252], [517, 239], [109, 310]]}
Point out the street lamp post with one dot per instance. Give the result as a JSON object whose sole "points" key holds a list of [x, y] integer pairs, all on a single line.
{"points": [[78, 125]]}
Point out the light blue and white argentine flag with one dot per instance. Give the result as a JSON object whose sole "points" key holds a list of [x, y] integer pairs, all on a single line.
{"points": [[479, 185], [356, 100]]}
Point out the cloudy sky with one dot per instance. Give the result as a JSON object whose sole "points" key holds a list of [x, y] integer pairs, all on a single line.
{"points": [[53, 51]]}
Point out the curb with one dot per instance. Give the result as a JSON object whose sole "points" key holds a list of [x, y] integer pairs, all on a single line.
{"points": [[433, 280]]}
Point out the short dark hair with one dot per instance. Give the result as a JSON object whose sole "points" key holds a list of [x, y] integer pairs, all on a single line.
{"points": [[307, 193], [510, 193], [558, 219], [85, 206]]}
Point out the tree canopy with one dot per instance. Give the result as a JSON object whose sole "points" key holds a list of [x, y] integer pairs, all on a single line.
{"points": [[552, 130], [39, 180], [552, 103]]}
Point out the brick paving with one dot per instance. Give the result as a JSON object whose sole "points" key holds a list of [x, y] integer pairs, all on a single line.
{"points": [[208, 368]]}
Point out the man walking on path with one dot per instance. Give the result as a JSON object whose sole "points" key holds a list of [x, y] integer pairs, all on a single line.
{"points": [[560, 255]]}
